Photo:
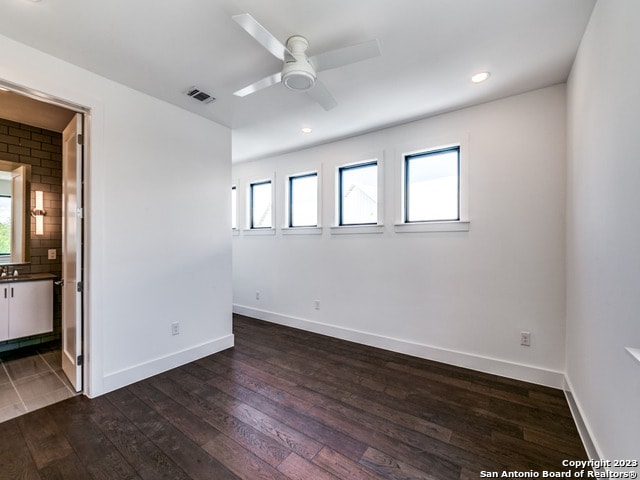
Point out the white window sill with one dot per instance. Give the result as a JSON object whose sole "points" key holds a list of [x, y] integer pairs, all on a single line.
{"points": [[634, 352], [259, 232], [419, 227], [357, 229], [235, 232], [302, 230]]}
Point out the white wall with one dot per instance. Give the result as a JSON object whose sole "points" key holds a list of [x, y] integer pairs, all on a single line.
{"points": [[158, 224], [603, 229], [459, 297]]}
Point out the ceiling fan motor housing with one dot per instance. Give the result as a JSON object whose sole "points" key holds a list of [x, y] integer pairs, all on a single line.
{"points": [[298, 73]]}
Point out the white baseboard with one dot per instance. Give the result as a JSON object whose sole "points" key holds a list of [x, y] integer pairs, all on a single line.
{"points": [[581, 424], [127, 376], [494, 366]]}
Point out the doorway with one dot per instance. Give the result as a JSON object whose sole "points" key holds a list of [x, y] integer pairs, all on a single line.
{"points": [[48, 135]]}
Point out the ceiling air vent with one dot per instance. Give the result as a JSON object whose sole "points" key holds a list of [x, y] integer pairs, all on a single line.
{"points": [[199, 95]]}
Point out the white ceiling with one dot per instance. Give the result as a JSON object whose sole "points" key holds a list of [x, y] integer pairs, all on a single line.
{"points": [[430, 48]]}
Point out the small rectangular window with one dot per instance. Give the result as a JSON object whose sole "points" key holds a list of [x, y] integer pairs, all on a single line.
{"points": [[5, 225], [303, 200], [432, 186], [234, 208], [358, 194], [260, 202]]}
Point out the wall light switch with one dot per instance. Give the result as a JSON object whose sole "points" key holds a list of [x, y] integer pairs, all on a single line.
{"points": [[51, 254]]}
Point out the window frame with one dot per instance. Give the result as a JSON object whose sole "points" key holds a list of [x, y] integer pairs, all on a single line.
{"points": [[289, 213], [251, 224], [460, 140], [406, 172], [339, 204], [234, 212]]}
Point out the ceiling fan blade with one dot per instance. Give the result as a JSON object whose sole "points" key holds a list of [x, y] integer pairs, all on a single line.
{"points": [[345, 56], [259, 85], [262, 35], [321, 95]]}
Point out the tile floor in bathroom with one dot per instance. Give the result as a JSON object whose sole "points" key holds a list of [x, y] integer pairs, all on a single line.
{"points": [[31, 378]]}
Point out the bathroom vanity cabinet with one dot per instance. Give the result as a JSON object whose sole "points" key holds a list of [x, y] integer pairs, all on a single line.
{"points": [[26, 306]]}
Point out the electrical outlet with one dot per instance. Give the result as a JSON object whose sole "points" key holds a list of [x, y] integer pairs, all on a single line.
{"points": [[525, 339], [257, 295], [51, 254], [317, 304], [175, 328]]}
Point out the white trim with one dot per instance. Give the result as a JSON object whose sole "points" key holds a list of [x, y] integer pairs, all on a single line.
{"points": [[418, 227], [129, 375], [527, 373], [301, 230], [584, 430], [357, 229], [258, 232], [43, 97]]}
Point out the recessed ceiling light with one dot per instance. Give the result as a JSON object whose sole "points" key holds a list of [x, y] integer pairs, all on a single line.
{"points": [[480, 77], [306, 130]]}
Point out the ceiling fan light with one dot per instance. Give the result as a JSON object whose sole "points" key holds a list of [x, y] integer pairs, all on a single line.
{"points": [[298, 73], [298, 80]]}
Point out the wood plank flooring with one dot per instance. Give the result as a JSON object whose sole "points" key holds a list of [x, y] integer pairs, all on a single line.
{"points": [[287, 404]]}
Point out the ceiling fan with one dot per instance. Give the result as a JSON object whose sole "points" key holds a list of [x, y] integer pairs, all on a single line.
{"points": [[299, 71]]}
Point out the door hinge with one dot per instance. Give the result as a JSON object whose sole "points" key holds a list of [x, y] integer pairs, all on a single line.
{"points": [[80, 139], [80, 360], [80, 212], [80, 287]]}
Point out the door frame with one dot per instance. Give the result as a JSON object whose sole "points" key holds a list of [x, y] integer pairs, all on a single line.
{"points": [[82, 250]]}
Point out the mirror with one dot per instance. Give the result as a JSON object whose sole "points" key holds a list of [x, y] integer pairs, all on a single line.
{"points": [[15, 207]]}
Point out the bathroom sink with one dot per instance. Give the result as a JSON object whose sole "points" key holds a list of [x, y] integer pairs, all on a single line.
{"points": [[9, 278]]}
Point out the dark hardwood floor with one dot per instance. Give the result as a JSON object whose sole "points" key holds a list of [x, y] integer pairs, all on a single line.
{"points": [[288, 404]]}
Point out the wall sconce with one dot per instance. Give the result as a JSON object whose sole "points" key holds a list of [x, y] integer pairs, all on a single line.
{"points": [[38, 213]]}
